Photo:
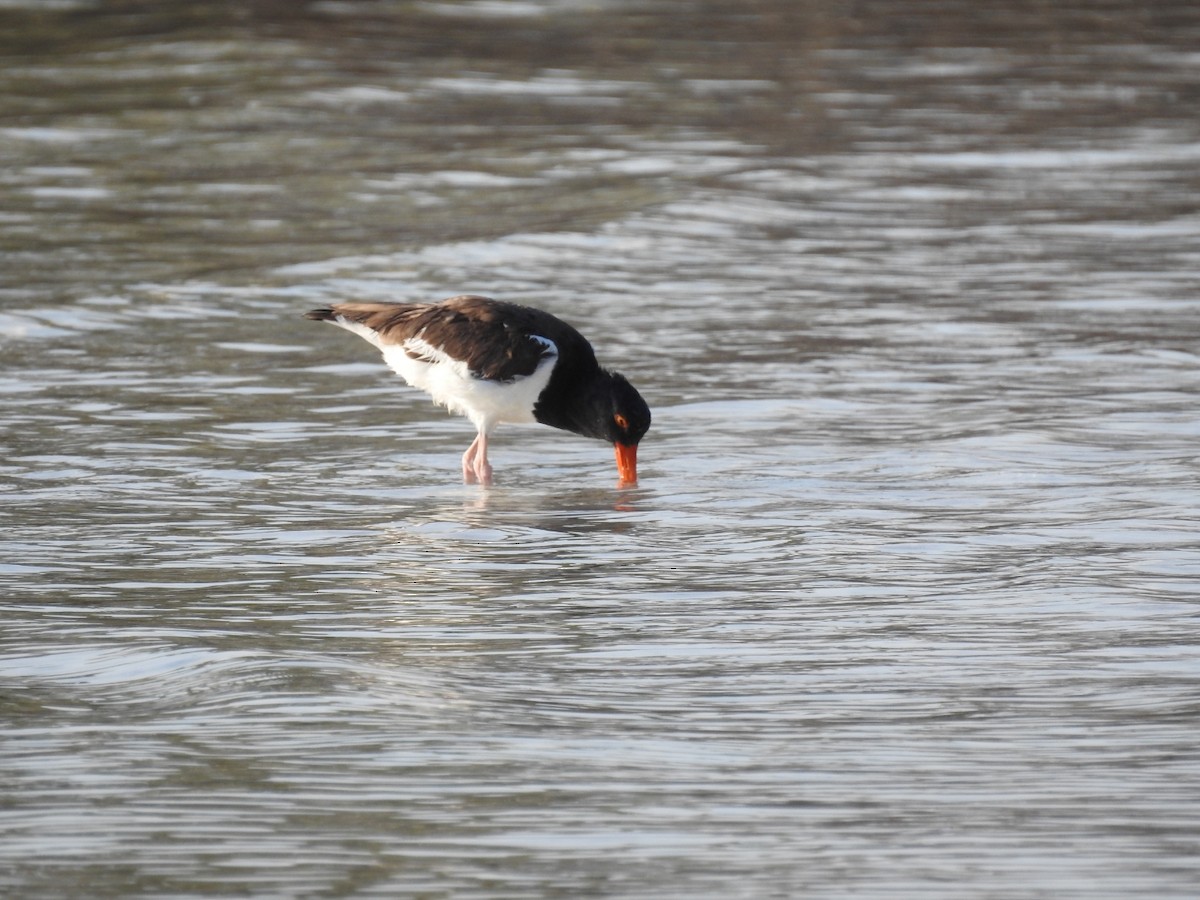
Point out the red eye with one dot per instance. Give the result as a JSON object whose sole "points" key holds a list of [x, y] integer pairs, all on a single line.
{"points": [[621, 421]]}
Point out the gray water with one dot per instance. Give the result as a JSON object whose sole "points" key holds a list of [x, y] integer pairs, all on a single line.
{"points": [[906, 603]]}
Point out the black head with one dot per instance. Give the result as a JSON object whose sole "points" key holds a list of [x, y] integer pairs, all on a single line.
{"points": [[628, 416], [599, 405], [627, 420]]}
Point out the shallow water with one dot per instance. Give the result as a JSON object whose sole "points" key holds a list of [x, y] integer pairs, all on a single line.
{"points": [[906, 601]]}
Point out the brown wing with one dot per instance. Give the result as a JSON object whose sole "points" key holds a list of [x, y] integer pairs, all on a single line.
{"points": [[497, 341], [384, 318]]}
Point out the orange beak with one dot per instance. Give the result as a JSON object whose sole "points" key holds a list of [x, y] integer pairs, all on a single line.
{"points": [[626, 463]]}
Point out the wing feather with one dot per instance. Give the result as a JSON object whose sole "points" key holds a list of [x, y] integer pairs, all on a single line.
{"points": [[496, 341]]}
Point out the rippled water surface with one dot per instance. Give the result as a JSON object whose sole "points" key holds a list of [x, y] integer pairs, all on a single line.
{"points": [[906, 603]]}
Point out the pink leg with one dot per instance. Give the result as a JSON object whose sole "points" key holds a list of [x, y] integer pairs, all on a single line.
{"points": [[483, 469], [468, 461], [475, 465]]}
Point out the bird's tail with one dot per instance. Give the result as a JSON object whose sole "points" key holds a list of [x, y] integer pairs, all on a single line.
{"points": [[378, 323]]}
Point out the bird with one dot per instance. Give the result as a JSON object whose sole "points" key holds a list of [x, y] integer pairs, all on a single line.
{"points": [[494, 361]]}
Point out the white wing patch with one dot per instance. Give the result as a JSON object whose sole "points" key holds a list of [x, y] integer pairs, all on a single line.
{"points": [[420, 350], [549, 347]]}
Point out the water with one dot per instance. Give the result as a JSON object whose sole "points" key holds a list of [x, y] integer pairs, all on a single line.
{"points": [[905, 604]]}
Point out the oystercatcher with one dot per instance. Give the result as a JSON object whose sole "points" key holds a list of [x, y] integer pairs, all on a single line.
{"points": [[499, 362]]}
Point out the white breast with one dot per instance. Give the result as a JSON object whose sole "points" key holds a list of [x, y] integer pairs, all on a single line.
{"points": [[450, 383]]}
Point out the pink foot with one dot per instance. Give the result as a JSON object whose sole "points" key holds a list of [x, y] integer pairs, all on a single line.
{"points": [[483, 472], [468, 462], [475, 465]]}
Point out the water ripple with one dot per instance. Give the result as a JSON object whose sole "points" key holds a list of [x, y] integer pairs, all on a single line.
{"points": [[903, 605]]}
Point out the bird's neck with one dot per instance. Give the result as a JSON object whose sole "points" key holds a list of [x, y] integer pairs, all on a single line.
{"points": [[576, 401]]}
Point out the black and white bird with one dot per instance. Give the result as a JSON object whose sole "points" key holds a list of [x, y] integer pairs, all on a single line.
{"points": [[499, 362]]}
